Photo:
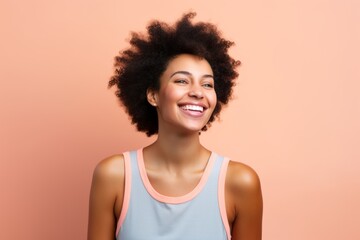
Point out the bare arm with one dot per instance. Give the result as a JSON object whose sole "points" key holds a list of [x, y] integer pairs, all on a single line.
{"points": [[245, 200], [106, 197]]}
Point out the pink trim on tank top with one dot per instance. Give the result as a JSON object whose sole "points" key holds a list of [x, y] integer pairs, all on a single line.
{"points": [[127, 190], [174, 200], [221, 196]]}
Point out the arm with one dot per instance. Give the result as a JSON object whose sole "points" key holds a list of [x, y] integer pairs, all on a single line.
{"points": [[106, 198], [244, 201]]}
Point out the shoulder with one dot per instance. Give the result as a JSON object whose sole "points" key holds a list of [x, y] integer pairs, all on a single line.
{"points": [[105, 196], [242, 179], [109, 172], [108, 182], [243, 201], [110, 167]]}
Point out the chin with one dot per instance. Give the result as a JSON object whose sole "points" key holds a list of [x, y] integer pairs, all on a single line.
{"points": [[193, 130]]}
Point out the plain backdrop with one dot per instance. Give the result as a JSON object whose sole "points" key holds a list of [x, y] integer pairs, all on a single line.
{"points": [[294, 118]]}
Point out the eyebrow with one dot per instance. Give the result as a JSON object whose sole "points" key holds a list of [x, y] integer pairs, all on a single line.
{"points": [[189, 74]]}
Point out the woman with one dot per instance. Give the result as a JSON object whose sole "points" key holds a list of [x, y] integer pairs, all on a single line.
{"points": [[173, 83]]}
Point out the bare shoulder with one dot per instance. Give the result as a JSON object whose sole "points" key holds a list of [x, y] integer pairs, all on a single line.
{"points": [[109, 177], [106, 197], [110, 168], [241, 178], [244, 201]]}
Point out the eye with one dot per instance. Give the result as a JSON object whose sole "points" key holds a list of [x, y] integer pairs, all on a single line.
{"points": [[181, 81], [208, 85]]}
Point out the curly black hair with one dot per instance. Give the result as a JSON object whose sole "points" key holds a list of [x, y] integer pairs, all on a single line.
{"points": [[139, 67]]}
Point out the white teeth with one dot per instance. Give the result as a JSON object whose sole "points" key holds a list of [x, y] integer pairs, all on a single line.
{"points": [[193, 108]]}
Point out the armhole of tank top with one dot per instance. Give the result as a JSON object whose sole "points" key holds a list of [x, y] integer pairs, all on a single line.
{"points": [[127, 189], [221, 196]]}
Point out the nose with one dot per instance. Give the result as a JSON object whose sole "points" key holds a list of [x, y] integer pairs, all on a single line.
{"points": [[196, 92]]}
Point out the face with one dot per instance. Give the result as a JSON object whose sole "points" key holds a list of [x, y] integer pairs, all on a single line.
{"points": [[186, 98]]}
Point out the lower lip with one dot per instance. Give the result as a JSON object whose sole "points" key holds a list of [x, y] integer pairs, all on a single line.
{"points": [[193, 113]]}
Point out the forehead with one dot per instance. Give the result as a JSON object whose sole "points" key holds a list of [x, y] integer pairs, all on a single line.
{"points": [[190, 63]]}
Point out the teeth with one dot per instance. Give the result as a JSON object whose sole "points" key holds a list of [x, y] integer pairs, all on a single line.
{"points": [[193, 108]]}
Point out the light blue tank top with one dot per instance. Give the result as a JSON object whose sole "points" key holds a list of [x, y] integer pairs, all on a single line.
{"points": [[149, 215]]}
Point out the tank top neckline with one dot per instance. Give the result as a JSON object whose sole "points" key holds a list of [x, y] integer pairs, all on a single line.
{"points": [[170, 199]]}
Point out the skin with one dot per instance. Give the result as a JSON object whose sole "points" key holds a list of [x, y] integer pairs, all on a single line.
{"points": [[177, 158]]}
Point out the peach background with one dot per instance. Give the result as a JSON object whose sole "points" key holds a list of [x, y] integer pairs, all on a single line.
{"points": [[295, 117]]}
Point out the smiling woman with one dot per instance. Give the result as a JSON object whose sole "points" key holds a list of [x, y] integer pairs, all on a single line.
{"points": [[173, 83]]}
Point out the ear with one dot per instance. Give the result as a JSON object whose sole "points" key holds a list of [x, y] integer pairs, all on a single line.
{"points": [[152, 97]]}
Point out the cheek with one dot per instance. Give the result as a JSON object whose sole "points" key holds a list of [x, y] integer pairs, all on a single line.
{"points": [[172, 94], [168, 96], [213, 99]]}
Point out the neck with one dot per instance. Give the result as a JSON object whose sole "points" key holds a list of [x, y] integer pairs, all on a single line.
{"points": [[178, 150]]}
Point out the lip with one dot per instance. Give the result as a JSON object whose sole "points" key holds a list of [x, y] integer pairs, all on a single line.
{"points": [[194, 104], [191, 112]]}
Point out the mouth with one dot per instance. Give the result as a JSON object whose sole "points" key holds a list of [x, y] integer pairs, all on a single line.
{"points": [[193, 108]]}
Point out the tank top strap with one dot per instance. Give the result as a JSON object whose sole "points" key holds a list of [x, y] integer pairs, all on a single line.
{"points": [[127, 189]]}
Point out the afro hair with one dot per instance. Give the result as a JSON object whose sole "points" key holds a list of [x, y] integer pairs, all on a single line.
{"points": [[138, 68]]}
